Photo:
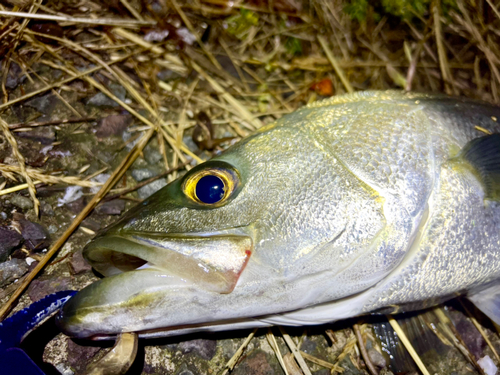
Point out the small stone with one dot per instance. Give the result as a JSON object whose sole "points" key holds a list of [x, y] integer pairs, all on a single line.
{"points": [[43, 103], [188, 141], [254, 364], [77, 205], [64, 369], [152, 155], [101, 100], [13, 77], [91, 224], [113, 125], [470, 335], [114, 207], [52, 228], [185, 370], [203, 348], [12, 270], [376, 358], [488, 366], [308, 346], [142, 174], [78, 264], [46, 209], [9, 240], [41, 288], [151, 188], [24, 203], [126, 137], [36, 237], [79, 357]]}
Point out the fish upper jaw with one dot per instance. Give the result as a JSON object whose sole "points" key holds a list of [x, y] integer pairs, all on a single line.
{"points": [[214, 262]]}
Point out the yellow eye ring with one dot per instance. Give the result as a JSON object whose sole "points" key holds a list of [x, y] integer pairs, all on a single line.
{"points": [[211, 186]]}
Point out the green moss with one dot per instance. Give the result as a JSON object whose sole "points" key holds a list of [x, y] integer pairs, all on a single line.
{"points": [[240, 24], [405, 9], [293, 46], [357, 9]]}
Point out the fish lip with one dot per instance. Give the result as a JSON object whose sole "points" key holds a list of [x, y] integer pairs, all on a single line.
{"points": [[212, 260]]}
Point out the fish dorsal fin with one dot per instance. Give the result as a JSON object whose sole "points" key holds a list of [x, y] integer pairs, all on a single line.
{"points": [[483, 155]]}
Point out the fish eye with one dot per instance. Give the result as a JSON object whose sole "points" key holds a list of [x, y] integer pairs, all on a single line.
{"points": [[211, 186], [210, 189]]}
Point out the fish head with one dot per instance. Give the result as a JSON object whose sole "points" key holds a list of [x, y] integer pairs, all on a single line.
{"points": [[248, 233]]}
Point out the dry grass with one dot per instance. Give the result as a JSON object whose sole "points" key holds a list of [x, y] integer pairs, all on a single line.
{"points": [[243, 64]]}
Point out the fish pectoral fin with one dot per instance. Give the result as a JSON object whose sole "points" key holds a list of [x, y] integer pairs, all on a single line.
{"points": [[483, 155], [488, 301]]}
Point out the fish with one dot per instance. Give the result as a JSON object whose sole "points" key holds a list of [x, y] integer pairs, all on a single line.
{"points": [[364, 203]]}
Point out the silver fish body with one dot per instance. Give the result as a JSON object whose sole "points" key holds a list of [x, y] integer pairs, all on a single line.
{"points": [[347, 206]]}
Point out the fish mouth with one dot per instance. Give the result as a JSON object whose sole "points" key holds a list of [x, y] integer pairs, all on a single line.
{"points": [[213, 262], [149, 276]]}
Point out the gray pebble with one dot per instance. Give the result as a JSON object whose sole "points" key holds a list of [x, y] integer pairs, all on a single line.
{"points": [[152, 155], [12, 270], [52, 229], [9, 240], [24, 203], [41, 288], [78, 264], [188, 141], [203, 348], [143, 174], [151, 188], [36, 237], [13, 77], [112, 125], [101, 100], [376, 358], [114, 207], [44, 104]]}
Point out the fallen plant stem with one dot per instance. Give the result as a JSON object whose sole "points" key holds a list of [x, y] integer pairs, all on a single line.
{"points": [[404, 339], [236, 356], [364, 353], [21, 125]]}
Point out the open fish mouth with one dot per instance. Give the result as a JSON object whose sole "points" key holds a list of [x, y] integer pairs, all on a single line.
{"points": [[150, 275], [214, 262]]}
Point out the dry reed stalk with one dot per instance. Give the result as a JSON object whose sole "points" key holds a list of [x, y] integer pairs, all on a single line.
{"points": [[271, 339], [236, 356], [88, 21], [21, 164], [364, 353], [404, 339], [295, 351]]}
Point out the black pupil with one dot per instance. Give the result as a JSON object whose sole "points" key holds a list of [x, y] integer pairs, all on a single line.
{"points": [[210, 189]]}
